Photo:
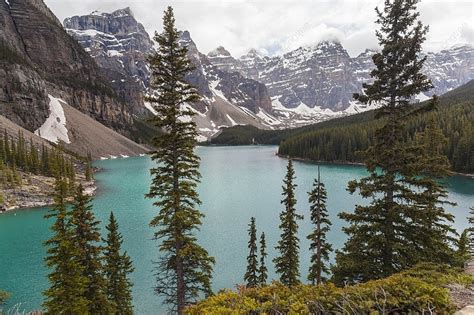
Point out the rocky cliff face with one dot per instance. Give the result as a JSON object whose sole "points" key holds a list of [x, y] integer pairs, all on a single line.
{"points": [[450, 68], [40, 58], [209, 78], [115, 40], [120, 46]]}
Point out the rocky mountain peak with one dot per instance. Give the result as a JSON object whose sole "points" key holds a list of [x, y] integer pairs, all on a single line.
{"points": [[252, 54], [219, 52], [116, 40], [185, 39]]}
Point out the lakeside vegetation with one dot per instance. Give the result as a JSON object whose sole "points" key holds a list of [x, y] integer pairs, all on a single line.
{"points": [[421, 290]]}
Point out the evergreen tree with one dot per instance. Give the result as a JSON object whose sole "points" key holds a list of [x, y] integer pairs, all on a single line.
{"points": [[117, 269], [471, 231], [185, 268], [379, 233], [34, 159], [262, 269], [88, 172], [67, 283], [430, 233], [319, 246], [462, 253], [287, 263], [251, 277], [86, 241]]}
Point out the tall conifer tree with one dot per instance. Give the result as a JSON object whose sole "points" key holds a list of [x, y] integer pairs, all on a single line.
{"points": [[67, 282], [287, 263], [430, 231], [117, 269], [262, 269], [378, 243], [462, 253], [86, 241], [251, 276], [319, 246], [471, 231], [184, 269]]}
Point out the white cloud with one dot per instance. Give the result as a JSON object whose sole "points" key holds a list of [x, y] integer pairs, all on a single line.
{"points": [[278, 26]]}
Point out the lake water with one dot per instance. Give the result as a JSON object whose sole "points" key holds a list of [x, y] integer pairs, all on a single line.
{"points": [[237, 183]]}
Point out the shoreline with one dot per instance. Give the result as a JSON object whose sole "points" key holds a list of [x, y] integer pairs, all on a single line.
{"points": [[39, 201], [307, 160]]}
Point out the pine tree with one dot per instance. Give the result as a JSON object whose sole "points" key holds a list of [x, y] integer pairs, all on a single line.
{"points": [[117, 269], [430, 233], [287, 263], [319, 246], [185, 268], [67, 283], [34, 159], [462, 254], [88, 172], [86, 241], [251, 277], [471, 231], [262, 269], [379, 240]]}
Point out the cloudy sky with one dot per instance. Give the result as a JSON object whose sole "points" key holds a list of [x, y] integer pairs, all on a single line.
{"points": [[278, 26]]}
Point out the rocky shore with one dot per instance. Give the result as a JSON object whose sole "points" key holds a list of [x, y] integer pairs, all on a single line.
{"points": [[36, 191]]}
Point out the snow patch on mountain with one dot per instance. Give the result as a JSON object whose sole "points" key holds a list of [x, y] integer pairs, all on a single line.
{"points": [[231, 120], [54, 128], [150, 107]]}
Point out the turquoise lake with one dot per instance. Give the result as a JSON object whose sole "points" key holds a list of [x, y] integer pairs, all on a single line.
{"points": [[237, 183]]}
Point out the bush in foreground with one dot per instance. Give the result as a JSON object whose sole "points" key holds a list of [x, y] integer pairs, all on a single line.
{"points": [[419, 290]]}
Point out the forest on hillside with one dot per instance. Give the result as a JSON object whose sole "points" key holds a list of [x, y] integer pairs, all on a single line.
{"points": [[347, 143]]}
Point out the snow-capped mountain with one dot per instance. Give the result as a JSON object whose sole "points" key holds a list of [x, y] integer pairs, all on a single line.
{"points": [[303, 86], [120, 45], [325, 76], [115, 40], [450, 68]]}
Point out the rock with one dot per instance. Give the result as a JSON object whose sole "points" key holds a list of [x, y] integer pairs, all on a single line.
{"points": [[43, 59], [468, 310]]}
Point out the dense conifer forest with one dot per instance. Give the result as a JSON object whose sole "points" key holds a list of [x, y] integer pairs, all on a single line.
{"points": [[19, 154]]}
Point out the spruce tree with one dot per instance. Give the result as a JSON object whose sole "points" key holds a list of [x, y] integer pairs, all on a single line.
{"points": [[67, 282], [430, 233], [287, 263], [184, 270], [471, 231], [462, 253], [117, 269], [251, 277], [262, 269], [88, 172], [319, 247], [378, 234], [86, 241]]}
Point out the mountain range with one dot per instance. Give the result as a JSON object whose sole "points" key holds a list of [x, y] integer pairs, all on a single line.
{"points": [[303, 86], [96, 64]]}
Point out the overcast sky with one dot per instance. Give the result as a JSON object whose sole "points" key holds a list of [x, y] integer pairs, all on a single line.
{"points": [[278, 26]]}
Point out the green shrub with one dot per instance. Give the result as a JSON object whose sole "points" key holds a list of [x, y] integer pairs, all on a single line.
{"points": [[419, 290]]}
